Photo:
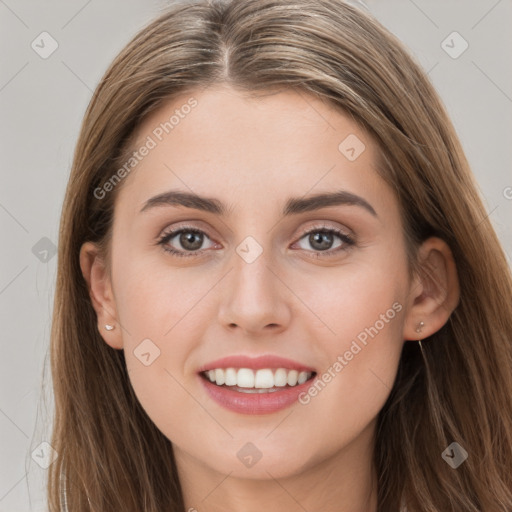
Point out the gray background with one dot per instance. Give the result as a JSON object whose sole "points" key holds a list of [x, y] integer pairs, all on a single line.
{"points": [[42, 102]]}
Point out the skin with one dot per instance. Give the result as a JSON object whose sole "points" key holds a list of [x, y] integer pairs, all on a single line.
{"points": [[253, 154]]}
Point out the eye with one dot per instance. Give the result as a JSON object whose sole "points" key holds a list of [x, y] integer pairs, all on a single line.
{"points": [[321, 239], [190, 239]]}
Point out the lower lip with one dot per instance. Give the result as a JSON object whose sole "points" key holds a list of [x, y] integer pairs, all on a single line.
{"points": [[254, 403]]}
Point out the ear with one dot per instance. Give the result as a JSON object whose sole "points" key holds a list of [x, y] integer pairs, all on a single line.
{"points": [[99, 285], [434, 293]]}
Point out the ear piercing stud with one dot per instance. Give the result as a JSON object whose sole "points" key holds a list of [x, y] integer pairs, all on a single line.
{"points": [[418, 329], [109, 327]]}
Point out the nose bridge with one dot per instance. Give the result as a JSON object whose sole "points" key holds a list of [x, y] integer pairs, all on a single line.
{"points": [[251, 275], [254, 297]]}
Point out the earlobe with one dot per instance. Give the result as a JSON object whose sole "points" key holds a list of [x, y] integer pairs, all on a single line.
{"points": [[435, 292], [100, 292]]}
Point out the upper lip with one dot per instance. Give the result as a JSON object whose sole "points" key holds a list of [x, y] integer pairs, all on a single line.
{"points": [[256, 363]]}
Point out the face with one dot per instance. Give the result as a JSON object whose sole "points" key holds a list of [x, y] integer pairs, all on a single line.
{"points": [[246, 270]]}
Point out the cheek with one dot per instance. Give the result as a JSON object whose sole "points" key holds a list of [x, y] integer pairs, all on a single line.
{"points": [[155, 301], [350, 299], [362, 320], [163, 322], [164, 395]]}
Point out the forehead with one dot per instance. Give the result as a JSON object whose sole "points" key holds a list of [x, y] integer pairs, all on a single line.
{"points": [[220, 142]]}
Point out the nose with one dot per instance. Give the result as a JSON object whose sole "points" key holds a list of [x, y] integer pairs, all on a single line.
{"points": [[255, 297]]}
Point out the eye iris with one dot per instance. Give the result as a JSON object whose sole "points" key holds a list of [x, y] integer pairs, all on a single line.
{"points": [[324, 240], [187, 240]]}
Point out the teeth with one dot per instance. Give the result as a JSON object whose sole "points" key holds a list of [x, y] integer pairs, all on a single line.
{"points": [[303, 377], [231, 378], [244, 378], [264, 378], [292, 377], [280, 377], [219, 376]]}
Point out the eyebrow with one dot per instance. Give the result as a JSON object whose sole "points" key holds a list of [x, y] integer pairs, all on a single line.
{"points": [[293, 206]]}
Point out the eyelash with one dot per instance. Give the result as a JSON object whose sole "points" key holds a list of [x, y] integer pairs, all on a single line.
{"points": [[347, 240]]}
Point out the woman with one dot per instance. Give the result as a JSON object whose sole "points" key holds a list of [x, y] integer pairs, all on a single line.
{"points": [[278, 287]]}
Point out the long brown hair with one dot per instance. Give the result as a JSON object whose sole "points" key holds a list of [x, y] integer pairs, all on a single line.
{"points": [[111, 455]]}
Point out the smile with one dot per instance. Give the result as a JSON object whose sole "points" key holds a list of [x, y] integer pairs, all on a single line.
{"points": [[255, 385]]}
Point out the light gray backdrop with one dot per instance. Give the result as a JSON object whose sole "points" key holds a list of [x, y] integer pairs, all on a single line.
{"points": [[46, 81]]}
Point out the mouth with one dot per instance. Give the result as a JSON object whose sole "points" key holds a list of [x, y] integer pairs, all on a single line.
{"points": [[259, 385]]}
